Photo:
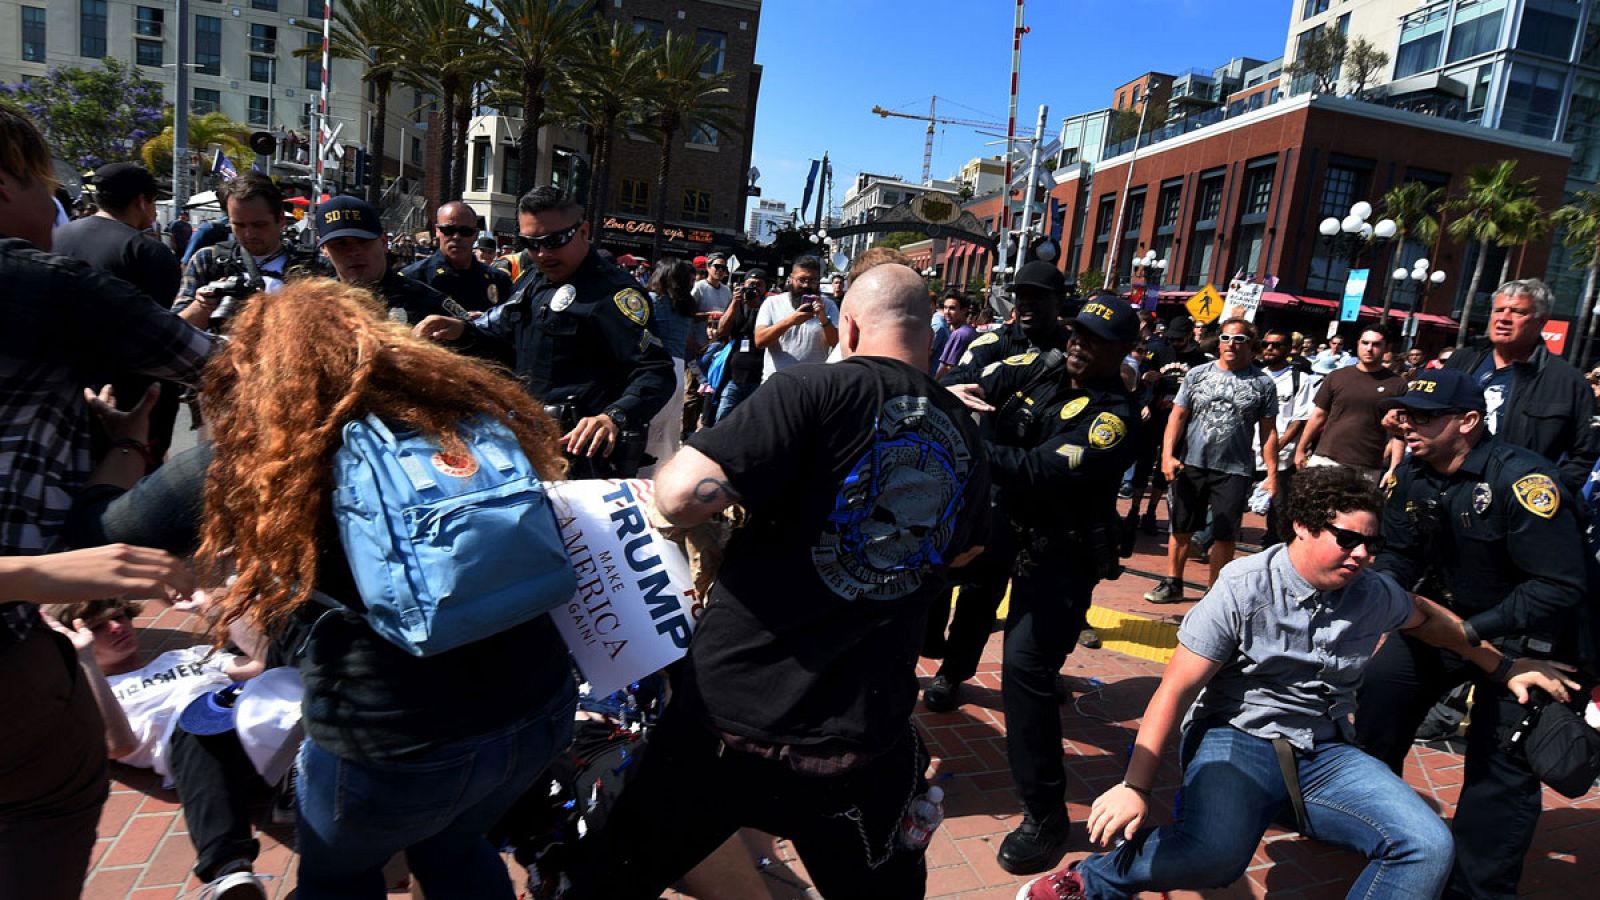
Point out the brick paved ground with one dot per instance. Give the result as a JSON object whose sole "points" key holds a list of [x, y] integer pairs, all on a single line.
{"points": [[144, 851]]}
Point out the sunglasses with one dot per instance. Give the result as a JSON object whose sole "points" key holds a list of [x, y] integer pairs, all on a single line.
{"points": [[1424, 417], [719, 266], [1349, 540], [1233, 338], [555, 240], [456, 230], [1274, 343]]}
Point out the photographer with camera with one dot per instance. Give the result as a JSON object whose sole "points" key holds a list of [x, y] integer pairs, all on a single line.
{"points": [[738, 324], [797, 326], [218, 278], [576, 328]]}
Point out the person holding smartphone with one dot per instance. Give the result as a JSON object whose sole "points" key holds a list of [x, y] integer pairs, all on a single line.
{"points": [[797, 326]]}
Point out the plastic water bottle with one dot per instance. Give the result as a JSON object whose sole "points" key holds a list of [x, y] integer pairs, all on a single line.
{"points": [[922, 819]]}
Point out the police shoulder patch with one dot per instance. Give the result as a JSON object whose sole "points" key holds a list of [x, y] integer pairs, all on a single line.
{"points": [[1022, 359], [1106, 431], [1538, 494], [1072, 408], [1073, 453], [990, 369], [984, 340], [633, 304]]}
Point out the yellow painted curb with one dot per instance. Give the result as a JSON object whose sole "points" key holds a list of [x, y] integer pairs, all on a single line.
{"points": [[1124, 632]]}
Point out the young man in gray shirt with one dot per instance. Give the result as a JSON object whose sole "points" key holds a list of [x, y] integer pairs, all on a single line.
{"points": [[1270, 660]]}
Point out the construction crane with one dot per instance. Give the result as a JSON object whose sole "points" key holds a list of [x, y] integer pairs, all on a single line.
{"points": [[933, 118]]}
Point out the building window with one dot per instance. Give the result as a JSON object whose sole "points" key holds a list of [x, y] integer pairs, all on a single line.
{"points": [[1341, 187], [268, 5], [704, 135], [1258, 190], [148, 21], [92, 28], [313, 80], [1108, 211], [1476, 30], [260, 111], [1210, 199], [148, 53], [416, 106], [1313, 7], [264, 39], [1533, 100], [635, 196], [511, 171], [1421, 38], [207, 100], [261, 69], [208, 45], [1171, 202], [653, 27], [1133, 220], [718, 41], [416, 151], [315, 9], [33, 34], [696, 206], [480, 165], [1548, 27]]}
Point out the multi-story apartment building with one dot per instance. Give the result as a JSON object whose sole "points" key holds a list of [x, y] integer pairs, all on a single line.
{"points": [[766, 219], [873, 195]]}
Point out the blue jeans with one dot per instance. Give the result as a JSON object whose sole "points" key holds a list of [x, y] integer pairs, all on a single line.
{"points": [[436, 807], [1232, 790], [733, 395]]}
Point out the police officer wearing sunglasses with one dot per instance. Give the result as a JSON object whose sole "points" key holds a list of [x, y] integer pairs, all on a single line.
{"points": [[1486, 529], [453, 269], [576, 329]]}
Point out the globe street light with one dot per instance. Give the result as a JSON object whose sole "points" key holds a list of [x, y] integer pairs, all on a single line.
{"points": [[1425, 279], [1353, 234]]}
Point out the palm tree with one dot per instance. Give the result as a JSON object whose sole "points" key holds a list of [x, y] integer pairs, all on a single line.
{"points": [[1481, 215], [606, 90], [444, 53], [1581, 219], [540, 39], [211, 128], [1523, 223], [1411, 206], [683, 96], [375, 32]]}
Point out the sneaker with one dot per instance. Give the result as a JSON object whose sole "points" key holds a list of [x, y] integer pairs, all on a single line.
{"points": [[1062, 885], [244, 885], [1167, 590], [1089, 638], [1199, 552], [1125, 491], [941, 694], [1034, 846]]}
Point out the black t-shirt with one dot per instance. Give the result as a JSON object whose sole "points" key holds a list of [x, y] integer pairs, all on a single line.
{"points": [[744, 367], [816, 618], [125, 252]]}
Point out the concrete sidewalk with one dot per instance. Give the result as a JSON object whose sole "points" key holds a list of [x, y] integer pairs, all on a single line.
{"points": [[144, 850]]}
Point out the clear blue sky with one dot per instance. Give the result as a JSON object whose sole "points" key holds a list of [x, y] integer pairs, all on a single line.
{"points": [[826, 63]]}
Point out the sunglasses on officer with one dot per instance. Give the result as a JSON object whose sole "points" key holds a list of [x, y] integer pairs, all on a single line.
{"points": [[456, 230], [555, 240], [1349, 540]]}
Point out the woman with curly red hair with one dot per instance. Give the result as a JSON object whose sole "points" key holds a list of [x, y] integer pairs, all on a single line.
{"points": [[410, 754]]}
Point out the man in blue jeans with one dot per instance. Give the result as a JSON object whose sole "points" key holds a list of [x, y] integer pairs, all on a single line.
{"points": [[1271, 658]]}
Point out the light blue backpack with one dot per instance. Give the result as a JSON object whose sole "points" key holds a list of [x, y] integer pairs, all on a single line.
{"points": [[446, 549]]}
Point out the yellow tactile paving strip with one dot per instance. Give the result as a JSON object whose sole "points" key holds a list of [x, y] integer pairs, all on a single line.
{"points": [[1125, 632]]}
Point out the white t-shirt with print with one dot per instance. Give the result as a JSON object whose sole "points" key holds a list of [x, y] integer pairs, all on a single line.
{"points": [[153, 696]]}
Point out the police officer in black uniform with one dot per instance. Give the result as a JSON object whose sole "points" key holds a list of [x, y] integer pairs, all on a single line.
{"points": [[350, 233], [1038, 288], [1061, 432], [1488, 530], [576, 329], [453, 270]]}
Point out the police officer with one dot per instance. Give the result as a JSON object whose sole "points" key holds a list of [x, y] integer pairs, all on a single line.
{"points": [[1038, 288], [576, 329], [1060, 435], [1487, 529], [350, 233], [453, 270]]}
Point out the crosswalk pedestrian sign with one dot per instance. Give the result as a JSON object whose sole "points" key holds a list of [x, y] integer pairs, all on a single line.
{"points": [[1206, 305]]}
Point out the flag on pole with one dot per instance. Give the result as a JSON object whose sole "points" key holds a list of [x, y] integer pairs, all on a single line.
{"points": [[222, 165], [811, 182]]}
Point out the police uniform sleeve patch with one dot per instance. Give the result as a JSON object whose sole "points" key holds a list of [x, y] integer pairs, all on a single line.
{"points": [[990, 369], [1072, 453], [1072, 408], [1022, 359], [1538, 494], [1106, 431], [984, 340], [633, 305]]}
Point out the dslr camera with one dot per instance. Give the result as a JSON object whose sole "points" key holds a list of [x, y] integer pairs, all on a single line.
{"points": [[231, 291]]}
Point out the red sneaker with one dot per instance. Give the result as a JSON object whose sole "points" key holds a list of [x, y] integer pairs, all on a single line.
{"points": [[1062, 885]]}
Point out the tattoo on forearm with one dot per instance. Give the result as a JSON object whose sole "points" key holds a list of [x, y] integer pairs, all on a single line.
{"points": [[714, 490]]}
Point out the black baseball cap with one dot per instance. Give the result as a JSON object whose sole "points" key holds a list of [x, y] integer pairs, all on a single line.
{"points": [[1042, 275], [1439, 389], [347, 217], [486, 243], [1182, 324], [116, 185], [1111, 318]]}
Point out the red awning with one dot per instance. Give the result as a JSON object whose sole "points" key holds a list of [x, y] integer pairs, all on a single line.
{"points": [[1437, 321]]}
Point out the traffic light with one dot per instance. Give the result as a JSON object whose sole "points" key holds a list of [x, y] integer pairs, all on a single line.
{"points": [[363, 167]]}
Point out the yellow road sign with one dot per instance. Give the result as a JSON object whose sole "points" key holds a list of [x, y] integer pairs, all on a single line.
{"points": [[1206, 305]]}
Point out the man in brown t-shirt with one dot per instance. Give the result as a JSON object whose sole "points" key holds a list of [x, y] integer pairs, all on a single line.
{"points": [[1345, 428]]}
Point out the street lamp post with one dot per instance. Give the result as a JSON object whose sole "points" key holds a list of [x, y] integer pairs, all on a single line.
{"points": [[1353, 235], [1425, 279], [1127, 183], [1149, 265]]}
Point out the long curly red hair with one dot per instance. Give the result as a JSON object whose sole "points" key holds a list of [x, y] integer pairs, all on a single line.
{"points": [[300, 364]]}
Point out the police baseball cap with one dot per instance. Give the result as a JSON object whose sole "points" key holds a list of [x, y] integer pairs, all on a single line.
{"points": [[1180, 324], [347, 217], [1111, 318], [118, 184], [1042, 275], [486, 243], [1439, 389]]}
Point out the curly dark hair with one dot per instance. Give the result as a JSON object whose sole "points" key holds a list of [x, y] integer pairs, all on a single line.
{"points": [[1318, 495]]}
